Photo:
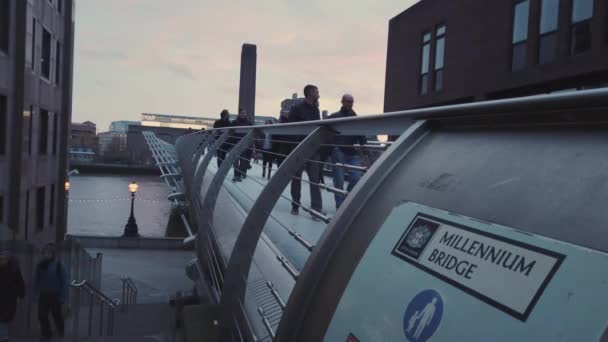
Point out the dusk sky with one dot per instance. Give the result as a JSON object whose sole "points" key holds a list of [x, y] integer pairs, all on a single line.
{"points": [[183, 57]]}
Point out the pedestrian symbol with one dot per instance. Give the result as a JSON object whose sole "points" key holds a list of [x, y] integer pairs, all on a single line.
{"points": [[422, 316]]}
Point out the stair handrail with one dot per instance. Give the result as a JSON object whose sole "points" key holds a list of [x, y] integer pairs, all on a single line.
{"points": [[95, 296], [129, 293]]}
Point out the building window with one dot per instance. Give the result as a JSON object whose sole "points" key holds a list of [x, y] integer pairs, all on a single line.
{"points": [[3, 118], [439, 56], [1, 209], [55, 132], [59, 6], [57, 62], [45, 61], [547, 47], [5, 25], [580, 36], [27, 130], [30, 44], [521, 13], [40, 197], [426, 56], [52, 205], [44, 132]]}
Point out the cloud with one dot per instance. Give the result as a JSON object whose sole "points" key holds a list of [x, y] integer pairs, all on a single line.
{"points": [[103, 54], [181, 70]]}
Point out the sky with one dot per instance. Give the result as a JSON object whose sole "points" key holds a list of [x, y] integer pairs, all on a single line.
{"points": [[182, 57]]}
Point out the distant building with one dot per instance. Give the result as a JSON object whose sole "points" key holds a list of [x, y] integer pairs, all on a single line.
{"points": [[84, 136], [248, 79], [122, 126], [81, 155], [36, 63], [112, 147], [447, 52], [176, 121], [288, 103]]}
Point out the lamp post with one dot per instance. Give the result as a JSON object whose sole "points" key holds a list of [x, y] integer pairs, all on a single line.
{"points": [[131, 226]]}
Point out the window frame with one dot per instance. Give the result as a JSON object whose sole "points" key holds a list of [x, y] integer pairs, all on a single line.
{"points": [[519, 44], [50, 64], [439, 36], [424, 76], [5, 37]]}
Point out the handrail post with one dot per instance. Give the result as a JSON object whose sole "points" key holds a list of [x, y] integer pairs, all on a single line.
{"points": [[76, 313], [91, 302]]}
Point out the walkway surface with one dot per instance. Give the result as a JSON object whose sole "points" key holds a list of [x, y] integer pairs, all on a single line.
{"points": [[157, 274], [246, 192]]}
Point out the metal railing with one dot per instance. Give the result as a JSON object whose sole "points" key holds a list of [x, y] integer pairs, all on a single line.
{"points": [[198, 159], [106, 306], [129, 294]]}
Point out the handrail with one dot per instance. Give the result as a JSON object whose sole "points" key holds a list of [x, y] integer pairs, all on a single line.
{"points": [[96, 296], [129, 293]]}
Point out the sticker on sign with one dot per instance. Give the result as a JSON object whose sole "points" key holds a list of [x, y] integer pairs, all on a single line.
{"points": [[507, 274]]}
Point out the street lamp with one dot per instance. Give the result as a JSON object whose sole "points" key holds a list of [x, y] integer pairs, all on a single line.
{"points": [[67, 185], [131, 226]]}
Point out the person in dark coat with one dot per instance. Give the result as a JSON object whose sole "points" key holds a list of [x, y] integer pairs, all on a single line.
{"points": [[224, 121], [308, 110], [51, 284], [11, 288], [242, 164], [345, 153]]}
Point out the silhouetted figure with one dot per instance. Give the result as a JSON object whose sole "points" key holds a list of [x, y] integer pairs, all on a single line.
{"points": [[241, 165], [224, 121], [11, 288], [51, 284]]}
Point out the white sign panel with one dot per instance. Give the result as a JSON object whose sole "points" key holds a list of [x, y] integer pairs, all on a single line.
{"points": [[507, 274]]}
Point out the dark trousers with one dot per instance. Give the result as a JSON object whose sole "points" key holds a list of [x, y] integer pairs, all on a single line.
{"points": [[50, 304], [241, 165], [221, 155], [267, 159], [312, 170]]}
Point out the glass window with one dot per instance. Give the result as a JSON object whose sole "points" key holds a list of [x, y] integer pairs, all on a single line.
{"points": [[440, 30], [52, 205], [426, 38], [439, 53], [5, 24], [547, 48], [426, 55], [30, 50], [424, 84], [581, 37], [45, 61], [43, 130], [57, 62], [3, 118], [520, 21], [439, 80], [581, 10], [40, 197], [519, 57], [55, 132], [59, 6], [549, 13]]}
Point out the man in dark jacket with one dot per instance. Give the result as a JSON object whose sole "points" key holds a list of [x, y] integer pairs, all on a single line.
{"points": [[242, 164], [11, 288], [51, 284], [345, 153], [308, 110], [224, 121]]}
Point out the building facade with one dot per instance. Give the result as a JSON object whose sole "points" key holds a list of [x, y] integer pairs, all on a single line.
{"points": [[36, 57], [122, 126], [446, 52], [83, 135]]}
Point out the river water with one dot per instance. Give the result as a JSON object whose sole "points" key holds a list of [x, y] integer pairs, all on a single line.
{"points": [[100, 205]]}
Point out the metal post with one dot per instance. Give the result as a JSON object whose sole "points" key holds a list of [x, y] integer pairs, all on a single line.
{"points": [[200, 170], [101, 304], [235, 283], [91, 302], [76, 313], [123, 302]]}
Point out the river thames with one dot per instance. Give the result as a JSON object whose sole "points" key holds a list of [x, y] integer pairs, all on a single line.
{"points": [[100, 205]]}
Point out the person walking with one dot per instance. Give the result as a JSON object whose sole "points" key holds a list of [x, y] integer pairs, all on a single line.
{"points": [[345, 153], [51, 285], [241, 165], [267, 152], [308, 110], [11, 289], [224, 121]]}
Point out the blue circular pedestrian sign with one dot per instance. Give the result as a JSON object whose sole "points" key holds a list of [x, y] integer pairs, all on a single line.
{"points": [[422, 316]]}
